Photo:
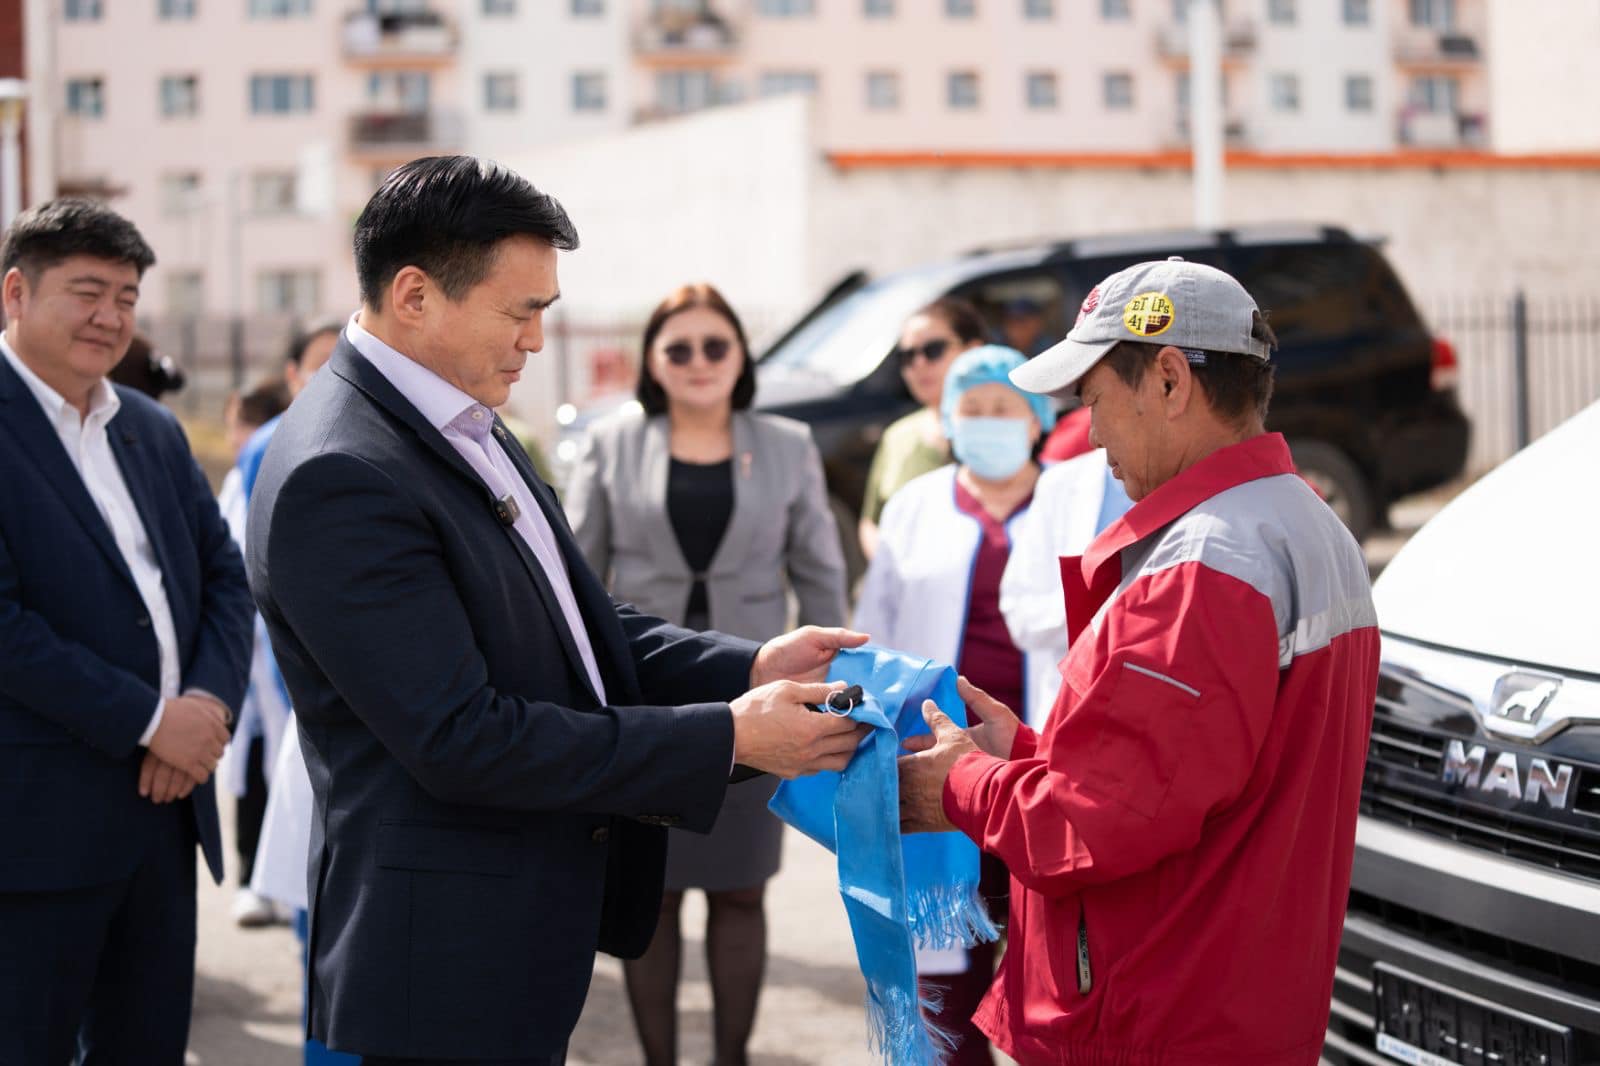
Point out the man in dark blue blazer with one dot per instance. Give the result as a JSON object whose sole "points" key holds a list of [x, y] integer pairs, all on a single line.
{"points": [[494, 745], [124, 641]]}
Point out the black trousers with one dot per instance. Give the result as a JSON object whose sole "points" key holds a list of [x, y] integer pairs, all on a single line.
{"points": [[105, 974], [251, 809]]}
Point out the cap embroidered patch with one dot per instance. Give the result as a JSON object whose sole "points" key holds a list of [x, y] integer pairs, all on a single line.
{"points": [[1090, 302], [1148, 314]]}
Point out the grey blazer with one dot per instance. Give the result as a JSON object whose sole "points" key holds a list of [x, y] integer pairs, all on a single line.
{"points": [[780, 526]]}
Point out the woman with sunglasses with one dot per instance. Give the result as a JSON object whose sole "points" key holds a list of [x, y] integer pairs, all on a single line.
{"points": [[915, 444], [696, 509], [933, 589]]}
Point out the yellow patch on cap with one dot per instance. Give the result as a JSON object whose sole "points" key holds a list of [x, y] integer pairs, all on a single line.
{"points": [[1148, 314]]}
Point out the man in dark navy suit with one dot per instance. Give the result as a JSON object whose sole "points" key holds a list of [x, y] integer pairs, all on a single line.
{"points": [[495, 746], [124, 642]]}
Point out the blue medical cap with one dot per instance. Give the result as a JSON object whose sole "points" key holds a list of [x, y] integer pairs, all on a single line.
{"points": [[991, 362]]}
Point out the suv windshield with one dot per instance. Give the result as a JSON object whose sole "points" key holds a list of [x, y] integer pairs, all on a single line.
{"points": [[846, 342]]}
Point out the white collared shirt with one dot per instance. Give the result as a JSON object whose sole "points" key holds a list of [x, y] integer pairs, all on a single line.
{"points": [[446, 407], [89, 448]]}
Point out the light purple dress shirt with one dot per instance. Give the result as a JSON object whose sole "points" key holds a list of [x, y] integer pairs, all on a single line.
{"points": [[468, 425]]}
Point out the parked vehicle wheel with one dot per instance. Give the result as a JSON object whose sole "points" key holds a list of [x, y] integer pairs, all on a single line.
{"points": [[1338, 480]]}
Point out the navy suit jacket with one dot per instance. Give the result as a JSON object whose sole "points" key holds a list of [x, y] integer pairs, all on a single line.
{"points": [[79, 663], [482, 822]]}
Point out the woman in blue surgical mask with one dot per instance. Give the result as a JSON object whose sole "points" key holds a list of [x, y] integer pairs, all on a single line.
{"points": [[933, 589]]}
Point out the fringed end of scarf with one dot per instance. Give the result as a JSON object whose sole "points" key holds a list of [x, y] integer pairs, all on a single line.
{"points": [[950, 916], [898, 1028]]}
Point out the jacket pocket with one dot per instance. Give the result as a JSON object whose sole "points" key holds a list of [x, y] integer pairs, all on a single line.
{"points": [[1143, 731], [445, 848], [1081, 959]]}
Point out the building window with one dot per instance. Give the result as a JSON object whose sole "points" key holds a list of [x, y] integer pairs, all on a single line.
{"points": [[292, 292], [180, 96], [1041, 90], [1118, 89], [405, 92], [960, 9], [280, 94], [279, 9], [500, 91], [1116, 10], [588, 8], [1284, 91], [274, 192], [784, 9], [1038, 9], [1357, 12], [878, 9], [1280, 12], [1438, 94], [961, 90], [1434, 14], [186, 293], [883, 90], [782, 82], [684, 90], [84, 10], [499, 7], [176, 9], [589, 91], [1357, 92], [180, 193], [86, 97]]}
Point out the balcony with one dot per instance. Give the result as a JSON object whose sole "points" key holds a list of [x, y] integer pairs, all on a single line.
{"points": [[398, 37], [1238, 40], [1431, 48], [1442, 129], [397, 136], [671, 36]]}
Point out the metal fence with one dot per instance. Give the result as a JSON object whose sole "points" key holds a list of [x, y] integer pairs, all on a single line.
{"points": [[1527, 363]]}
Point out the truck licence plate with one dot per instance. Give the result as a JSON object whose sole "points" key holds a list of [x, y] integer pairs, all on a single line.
{"points": [[1428, 1024]]}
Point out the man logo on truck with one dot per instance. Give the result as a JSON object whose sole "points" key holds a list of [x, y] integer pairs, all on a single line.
{"points": [[1464, 769]]}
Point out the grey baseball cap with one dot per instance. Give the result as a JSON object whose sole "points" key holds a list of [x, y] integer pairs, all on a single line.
{"points": [[1170, 301]]}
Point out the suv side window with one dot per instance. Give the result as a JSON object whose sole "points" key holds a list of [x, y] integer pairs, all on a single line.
{"points": [[1026, 311], [1316, 294]]}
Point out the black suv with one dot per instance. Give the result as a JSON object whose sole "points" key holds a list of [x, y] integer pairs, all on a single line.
{"points": [[1364, 393]]}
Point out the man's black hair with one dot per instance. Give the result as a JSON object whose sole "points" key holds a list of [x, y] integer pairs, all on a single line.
{"points": [[302, 338], [1236, 385], [446, 215], [43, 236]]}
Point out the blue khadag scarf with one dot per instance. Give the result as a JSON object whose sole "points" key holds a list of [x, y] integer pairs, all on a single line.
{"points": [[900, 893]]}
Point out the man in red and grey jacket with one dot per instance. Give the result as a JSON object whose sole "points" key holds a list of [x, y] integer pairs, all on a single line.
{"points": [[1180, 834]]}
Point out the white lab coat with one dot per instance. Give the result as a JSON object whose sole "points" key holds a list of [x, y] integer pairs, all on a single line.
{"points": [[1062, 521], [280, 870]]}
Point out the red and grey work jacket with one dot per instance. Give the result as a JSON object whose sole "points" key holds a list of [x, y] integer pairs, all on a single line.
{"points": [[1180, 835]]}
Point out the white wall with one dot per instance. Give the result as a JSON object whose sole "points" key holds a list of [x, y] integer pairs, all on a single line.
{"points": [[1320, 49], [1544, 83]]}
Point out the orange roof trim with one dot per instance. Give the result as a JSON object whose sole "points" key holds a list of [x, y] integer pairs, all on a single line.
{"points": [[1401, 160]]}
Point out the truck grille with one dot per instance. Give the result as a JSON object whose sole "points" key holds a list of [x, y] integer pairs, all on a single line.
{"points": [[1405, 784]]}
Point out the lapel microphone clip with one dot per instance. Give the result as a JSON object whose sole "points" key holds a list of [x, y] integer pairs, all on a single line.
{"points": [[506, 509]]}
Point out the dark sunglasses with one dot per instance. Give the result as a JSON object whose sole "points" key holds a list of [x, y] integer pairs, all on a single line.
{"points": [[715, 349], [933, 351]]}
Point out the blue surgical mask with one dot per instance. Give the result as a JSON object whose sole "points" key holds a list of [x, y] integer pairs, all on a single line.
{"points": [[993, 448]]}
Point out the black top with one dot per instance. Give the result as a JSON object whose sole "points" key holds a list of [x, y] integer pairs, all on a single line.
{"points": [[699, 503]]}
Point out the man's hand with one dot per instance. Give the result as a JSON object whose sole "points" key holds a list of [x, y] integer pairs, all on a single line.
{"points": [[773, 730], [996, 726], [161, 782], [803, 655], [191, 736], [923, 774]]}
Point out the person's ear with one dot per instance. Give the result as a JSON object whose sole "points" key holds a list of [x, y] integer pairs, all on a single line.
{"points": [[409, 294], [13, 289], [1176, 379]]}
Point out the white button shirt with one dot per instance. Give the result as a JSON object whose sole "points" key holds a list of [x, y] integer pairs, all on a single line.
{"points": [[89, 449]]}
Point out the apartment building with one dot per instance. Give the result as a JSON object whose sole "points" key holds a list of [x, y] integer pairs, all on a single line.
{"points": [[1076, 75], [243, 135]]}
